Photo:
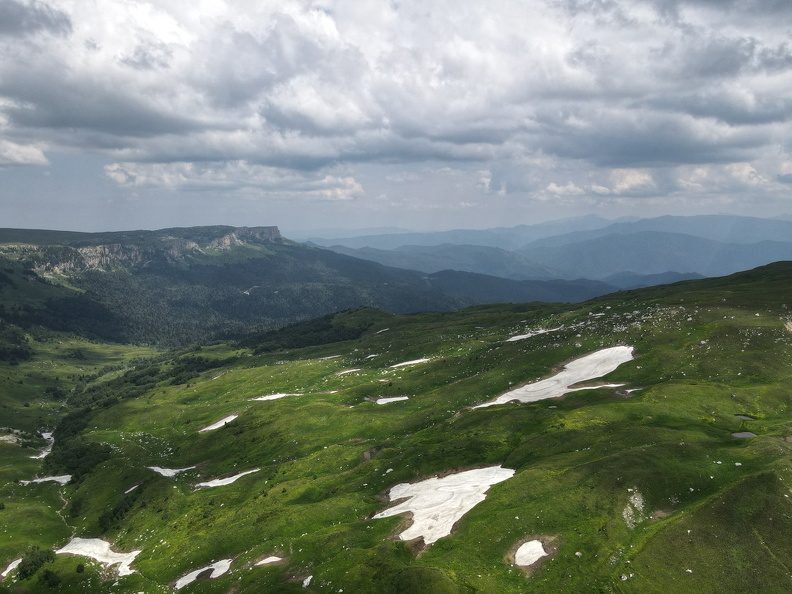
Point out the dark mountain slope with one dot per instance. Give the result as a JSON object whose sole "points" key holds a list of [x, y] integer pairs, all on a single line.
{"points": [[179, 285], [466, 258]]}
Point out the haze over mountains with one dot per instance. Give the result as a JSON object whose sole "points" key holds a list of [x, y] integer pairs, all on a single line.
{"points": [[588, 247]]}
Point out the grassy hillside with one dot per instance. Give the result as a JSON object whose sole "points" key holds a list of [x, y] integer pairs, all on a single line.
{"points": [[640, 487]]}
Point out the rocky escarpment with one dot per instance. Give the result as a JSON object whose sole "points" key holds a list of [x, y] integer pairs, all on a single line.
{"points": [[135, 248]]}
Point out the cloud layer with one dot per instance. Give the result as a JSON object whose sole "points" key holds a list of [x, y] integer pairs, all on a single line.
{"points": [[562, 101]]}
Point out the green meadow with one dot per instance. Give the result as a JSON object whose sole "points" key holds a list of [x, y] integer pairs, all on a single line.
{"points": [[640, 487]]}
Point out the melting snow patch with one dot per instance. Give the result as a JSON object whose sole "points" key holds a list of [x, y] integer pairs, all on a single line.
{"points": [[413, 362], [11, 567], [62, 479], [217, 569], [219, 423], [438, 503], [529, 553], [269, 560], [307, 581], [274, 396], [583, 369], [169, 471], [534, 333], [48, 448], [225, 481], [100, 550], [348, 371], [393, 399]]}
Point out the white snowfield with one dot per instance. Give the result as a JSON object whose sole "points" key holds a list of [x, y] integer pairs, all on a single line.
{"points": [[269, 560], [47, 449], [586, 368], [274, 396], [218, 568], [219, 423], [534, 333], [61, 478], [169, 471], [413, 362], [11, 567], [225, 481], [100, 550], [529, 553], [392, 399], [438, 503]]}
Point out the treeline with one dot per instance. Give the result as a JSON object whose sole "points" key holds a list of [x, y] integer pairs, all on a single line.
{"points": [[324, 330]]}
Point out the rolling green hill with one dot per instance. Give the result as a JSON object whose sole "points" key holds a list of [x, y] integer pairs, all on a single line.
{"points": [[670, 473]]}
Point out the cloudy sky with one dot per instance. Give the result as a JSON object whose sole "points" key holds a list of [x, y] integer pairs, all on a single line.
{"points": [[120, 114]]}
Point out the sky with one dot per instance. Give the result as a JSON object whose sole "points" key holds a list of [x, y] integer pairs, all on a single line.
{"points": [[417, 114]]}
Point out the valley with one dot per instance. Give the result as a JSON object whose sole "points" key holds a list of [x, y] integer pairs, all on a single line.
{"points": [[269, 465]]}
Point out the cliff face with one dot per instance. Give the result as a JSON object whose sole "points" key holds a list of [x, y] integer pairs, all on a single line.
{"points": [[139, 250]]}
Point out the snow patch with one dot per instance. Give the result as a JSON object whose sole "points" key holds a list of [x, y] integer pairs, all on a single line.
{"points": [[219, 423], [438, 503], [534, 333], [62, 479], [269, 560], [529, 553], [100, 551], [413, 362], [585, 368], [11, 567], [225, 481], [392, 399], [348, 371], [274, 396], [169, 471], [217, 568], [47, 449]]}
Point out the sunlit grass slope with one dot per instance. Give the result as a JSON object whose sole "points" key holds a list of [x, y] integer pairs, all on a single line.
{"points": [[640, 487]]}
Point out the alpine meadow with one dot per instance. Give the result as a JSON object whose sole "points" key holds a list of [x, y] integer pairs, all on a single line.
{"points": [[395, 297], [636, 442]]}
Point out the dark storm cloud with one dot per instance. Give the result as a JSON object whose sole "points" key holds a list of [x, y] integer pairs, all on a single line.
{"points": [[18, 19]]}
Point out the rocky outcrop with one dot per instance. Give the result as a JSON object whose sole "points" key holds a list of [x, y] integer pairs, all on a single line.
{"points": [[147, 247]]}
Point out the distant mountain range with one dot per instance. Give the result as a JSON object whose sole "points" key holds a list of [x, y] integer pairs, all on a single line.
{"points": [[589, 247], [175, 286]]}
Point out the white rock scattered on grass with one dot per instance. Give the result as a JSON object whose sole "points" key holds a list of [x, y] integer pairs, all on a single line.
{"points": [[529, 553], [413, 362], [218, 568], [61, 478], [219, 424], [534, 333], [100, 551], [275, 396], [585, 368], [47, 448], [170, 472], [393, 399], [438, 503], [269, 560], [633, 512], [225, 481], [11, 567]]}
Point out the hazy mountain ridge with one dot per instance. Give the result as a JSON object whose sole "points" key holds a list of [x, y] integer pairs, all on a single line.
{"points": [[179, 285], [596, 249]]}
